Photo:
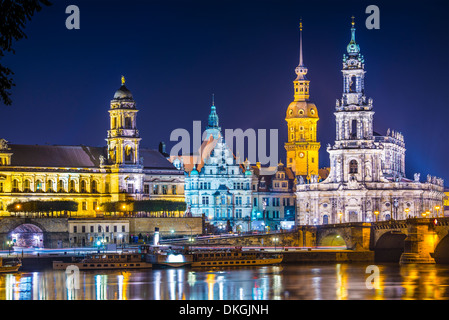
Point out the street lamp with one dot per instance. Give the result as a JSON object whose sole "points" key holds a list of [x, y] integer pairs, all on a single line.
{"points": [[437, 208], [340, 215], [120, 236], [428, 213], [377, 214], [275, 240], [406, 212], [9, 244]]}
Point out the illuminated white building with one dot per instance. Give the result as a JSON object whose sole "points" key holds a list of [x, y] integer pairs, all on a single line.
{"points": [[216, 184], [367, 177]]}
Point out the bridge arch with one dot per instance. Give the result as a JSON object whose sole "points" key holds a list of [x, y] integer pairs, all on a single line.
{"points": [[333, 239], [27, 235], [441, 253], [390, 246]]}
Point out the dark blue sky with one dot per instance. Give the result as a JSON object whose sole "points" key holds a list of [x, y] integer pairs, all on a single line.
{"points": [[175, 54]]}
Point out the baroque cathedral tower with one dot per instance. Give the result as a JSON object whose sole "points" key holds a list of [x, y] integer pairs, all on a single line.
{"points": [[302, 117], [367, 180], [123, 137]]}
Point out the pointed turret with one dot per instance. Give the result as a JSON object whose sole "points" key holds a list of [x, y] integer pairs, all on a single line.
{"points": [[213, 127]]}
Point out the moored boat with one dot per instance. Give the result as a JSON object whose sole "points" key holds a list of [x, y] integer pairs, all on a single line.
{"points": [[106, 261], [233, 258], [167, 257], [13, 266]]}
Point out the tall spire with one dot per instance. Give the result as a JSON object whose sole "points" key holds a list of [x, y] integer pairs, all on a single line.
{"points": [[353, 48], [300, 43], [300, 70]]}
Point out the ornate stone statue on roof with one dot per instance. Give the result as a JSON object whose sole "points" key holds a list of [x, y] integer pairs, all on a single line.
{"points": [[3, 144]]}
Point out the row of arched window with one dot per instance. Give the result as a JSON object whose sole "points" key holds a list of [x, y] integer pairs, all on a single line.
{"points": [[52, 186]]}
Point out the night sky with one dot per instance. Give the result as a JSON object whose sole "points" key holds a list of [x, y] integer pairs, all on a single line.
{"points": [[175, 54]]}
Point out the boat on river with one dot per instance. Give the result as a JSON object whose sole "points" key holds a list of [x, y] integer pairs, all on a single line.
{"points": [[203, 257], [10, 267], [105, 261], [233, 258]]}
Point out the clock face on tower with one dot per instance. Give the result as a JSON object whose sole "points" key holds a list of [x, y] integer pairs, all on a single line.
{"points": [[301, 154]]}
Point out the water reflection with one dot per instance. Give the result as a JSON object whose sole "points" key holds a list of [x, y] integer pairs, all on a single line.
{"points": [[331, 281]]}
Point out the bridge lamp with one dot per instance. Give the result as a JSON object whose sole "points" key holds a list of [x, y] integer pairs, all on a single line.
{"points": [[406, 212], [424, 214], [18, 206], [377, 214], [340, 215], [437, 208], [428, 213]]}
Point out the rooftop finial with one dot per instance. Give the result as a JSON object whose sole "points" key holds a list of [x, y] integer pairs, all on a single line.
{"points": [[123, 80], [353, 23], [213, 99], [300, 43]]}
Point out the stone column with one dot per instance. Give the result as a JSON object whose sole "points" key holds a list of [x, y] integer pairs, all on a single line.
{"points": [[420, 242]]}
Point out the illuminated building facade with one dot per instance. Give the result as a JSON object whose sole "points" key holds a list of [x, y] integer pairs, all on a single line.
{"points": [[90, 175], [85, 232], [302, 116], [367, 179], [216, 185], [273, 198]]}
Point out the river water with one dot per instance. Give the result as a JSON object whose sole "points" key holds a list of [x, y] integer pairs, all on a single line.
{"points": [[286, 282]]}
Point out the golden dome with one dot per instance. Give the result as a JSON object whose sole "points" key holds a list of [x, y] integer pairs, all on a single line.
{"points": [[302, 109]]}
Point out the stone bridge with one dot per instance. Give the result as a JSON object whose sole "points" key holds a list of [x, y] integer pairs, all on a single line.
{"points": [[417, 240]]}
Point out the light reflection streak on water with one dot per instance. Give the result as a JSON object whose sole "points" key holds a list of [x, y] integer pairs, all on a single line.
{"points": [[340, 281], [342, 293], [157, 285], [210, 280], [101, 285]]}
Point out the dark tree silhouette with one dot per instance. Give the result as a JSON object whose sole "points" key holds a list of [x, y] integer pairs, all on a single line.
{"points": [[13, 16]]}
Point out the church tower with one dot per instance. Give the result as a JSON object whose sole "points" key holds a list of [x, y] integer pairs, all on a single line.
{"points": [[123, 136], [302, 117], [354, 157]]}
